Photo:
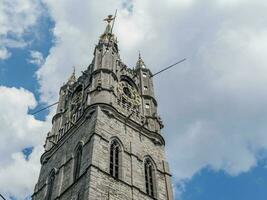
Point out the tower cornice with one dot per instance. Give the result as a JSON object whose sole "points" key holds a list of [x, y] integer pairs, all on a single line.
{"points": [[111, 112]]}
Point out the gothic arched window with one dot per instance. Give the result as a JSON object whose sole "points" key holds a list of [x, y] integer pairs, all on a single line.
{"points": [[114, 165], [77, 162], [51, 181], [149, 178]]}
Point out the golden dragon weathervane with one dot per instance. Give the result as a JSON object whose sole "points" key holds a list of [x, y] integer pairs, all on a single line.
{"points": [[109, 19]]}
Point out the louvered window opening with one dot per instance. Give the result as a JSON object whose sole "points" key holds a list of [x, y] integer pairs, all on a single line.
{"points": [[50, 186], [149, 178], [77, 166], [114, 159]]}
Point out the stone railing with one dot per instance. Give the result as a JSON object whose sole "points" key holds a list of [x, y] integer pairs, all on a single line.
{"points": [[129, 110], [69, 123]]}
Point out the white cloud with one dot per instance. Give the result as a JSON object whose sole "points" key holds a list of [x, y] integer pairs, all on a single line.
{"points": [[18, 131], [36, 58], [16, 18], [218, 95], [4, 54], [20, 175]]}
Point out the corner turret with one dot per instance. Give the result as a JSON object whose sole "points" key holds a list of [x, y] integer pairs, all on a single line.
{"points": [[149, 103]]}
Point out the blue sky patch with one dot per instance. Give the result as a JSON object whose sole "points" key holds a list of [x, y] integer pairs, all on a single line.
{"points": [[27, 152], [210, 185]]}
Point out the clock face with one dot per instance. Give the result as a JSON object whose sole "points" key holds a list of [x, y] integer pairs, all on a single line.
{"points": [[129, 93]]}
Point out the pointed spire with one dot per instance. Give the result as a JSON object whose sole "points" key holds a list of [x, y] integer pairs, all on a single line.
{"points": [[140, 63], [72, 78]]}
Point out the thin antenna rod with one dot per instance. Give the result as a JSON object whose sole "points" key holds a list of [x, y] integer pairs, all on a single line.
{"points": [[169, 67], [2, 197], [44, 108], [114, 20]]}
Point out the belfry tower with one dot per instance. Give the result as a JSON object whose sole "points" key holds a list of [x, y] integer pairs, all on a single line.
{"points": [[106, 142]]}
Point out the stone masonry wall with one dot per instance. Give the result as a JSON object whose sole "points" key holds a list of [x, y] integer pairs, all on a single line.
{"points": [[62, 160], [94, 182], [135, 147]]}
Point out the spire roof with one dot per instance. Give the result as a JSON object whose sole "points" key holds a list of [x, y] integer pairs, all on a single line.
{"points": [[140, 63], [72, 78]]}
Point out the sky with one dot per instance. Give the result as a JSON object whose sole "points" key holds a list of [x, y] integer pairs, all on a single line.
{"points": [[213, 105]]}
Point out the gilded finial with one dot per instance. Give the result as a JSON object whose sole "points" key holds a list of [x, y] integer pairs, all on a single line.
{"points": [[72, 78], [109, 18], [140, 63]]}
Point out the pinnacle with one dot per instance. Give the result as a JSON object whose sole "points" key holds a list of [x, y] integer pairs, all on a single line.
{"points": [[140, 63], [72, 78]]}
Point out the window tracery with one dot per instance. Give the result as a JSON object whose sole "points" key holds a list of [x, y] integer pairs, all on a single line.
{"points": [[114, 165], [149, 177]]}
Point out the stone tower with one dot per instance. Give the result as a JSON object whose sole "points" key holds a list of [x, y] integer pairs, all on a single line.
{"points": [[105, 142]]}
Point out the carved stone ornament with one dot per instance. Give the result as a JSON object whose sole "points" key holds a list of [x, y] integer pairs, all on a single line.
{"points": [[129, 93]]}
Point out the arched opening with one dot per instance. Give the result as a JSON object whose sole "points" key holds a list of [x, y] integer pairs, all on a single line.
{"points": [[129, 81], [149, 177], [51, 182], [115, 159], [77, 162]]}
